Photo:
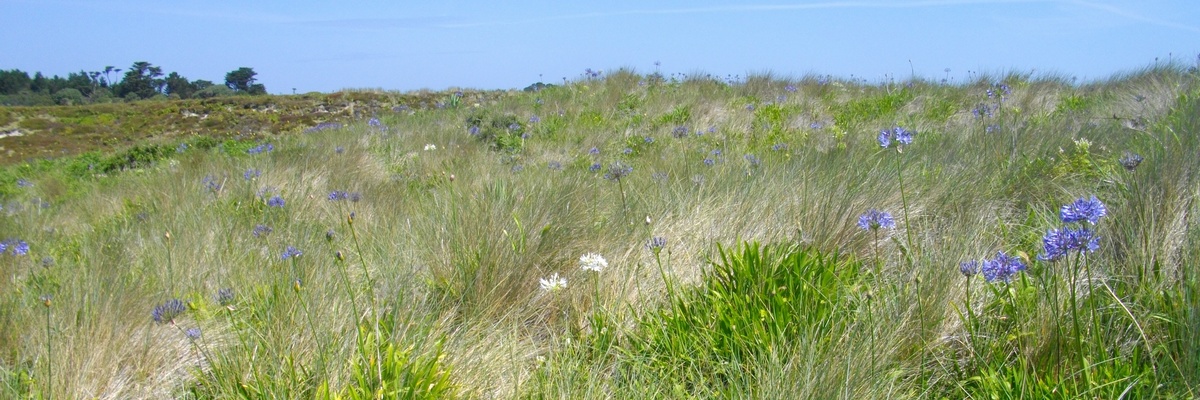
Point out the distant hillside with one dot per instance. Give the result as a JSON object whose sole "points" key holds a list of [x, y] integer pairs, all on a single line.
{"points": [[28, 133]]}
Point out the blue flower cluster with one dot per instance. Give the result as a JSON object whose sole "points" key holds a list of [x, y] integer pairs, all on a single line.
{"points": [[252, 173], [896, 134], [618, 170], [275, 201], [339, 195], [225, 296], [324, 126], [289, 252], [874, 219], [1059, 242], [657, 243], [1131, 161], [680, 131], [262, 148], [210, 182], [261, 230], [167, 312], [18, 246], [1090, 210], [999, 269], [1002, 268]]}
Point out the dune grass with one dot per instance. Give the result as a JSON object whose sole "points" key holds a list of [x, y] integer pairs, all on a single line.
{"points": [[413, 255]]}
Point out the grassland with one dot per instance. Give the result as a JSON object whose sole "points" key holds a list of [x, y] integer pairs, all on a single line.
{"points": [[435, 251]]}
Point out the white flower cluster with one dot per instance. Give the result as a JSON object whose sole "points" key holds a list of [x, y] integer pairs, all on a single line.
{"points": [[592, 262], [553, 283]]}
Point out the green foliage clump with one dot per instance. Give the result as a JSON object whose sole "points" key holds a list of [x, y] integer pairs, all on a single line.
{"points": [[754, 301], [501, 132], [680, 115], [864, 110], [1078, 162], [401, 372]]}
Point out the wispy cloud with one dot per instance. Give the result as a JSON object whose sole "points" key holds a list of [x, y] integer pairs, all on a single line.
{"points": [[1121, 12], [745, 8]]}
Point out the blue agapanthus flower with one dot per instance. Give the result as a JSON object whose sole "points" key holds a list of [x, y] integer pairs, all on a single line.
{"points": [[18, 247], [225, 296], [290, 252], [656, 243], [895, 134], [261, 230], [874, 219], [618, 170], [1058, 243], [167, 312], [969, 268], [275, 201], [1002, 268], [1090, 210]]}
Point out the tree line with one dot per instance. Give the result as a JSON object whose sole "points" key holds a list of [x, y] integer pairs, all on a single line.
{"points": [[141, 81]]}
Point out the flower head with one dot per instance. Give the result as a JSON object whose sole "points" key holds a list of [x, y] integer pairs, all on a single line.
{"points": [[192, 333], [874, 219], [969, 268], [262, 148], [275, 201], [225, 296], [1131, 160], [618, 170], [250, 174], [290, 252], [900, 135], [657, 243], [553, 283], [592, 262], [19, 247], [1058, 243], [680, 131], [1002, 268], [167, 312], [261, 230], [1090, 210]]}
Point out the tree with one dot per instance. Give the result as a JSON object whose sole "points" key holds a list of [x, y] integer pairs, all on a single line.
{"points": [[14, 81], [180, 86], [142, 80], [38, 84], [80, 81], [242, 80], [68, 96]]}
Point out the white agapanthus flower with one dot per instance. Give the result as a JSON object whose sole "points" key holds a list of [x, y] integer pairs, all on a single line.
{"points": [[592, 262], [430, 146], [553, 283]]}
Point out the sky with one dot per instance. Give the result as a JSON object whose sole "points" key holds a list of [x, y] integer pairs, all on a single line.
{"points": [[396, 45]]}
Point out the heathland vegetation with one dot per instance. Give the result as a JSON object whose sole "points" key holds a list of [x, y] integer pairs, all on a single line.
{"points": [[622, 235], [141, 81]]}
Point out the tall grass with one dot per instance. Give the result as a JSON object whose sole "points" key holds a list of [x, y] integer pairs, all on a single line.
{"points": [[424, 234]]}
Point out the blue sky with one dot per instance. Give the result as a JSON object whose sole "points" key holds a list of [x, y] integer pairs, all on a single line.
{"points": [[326, 46]]}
